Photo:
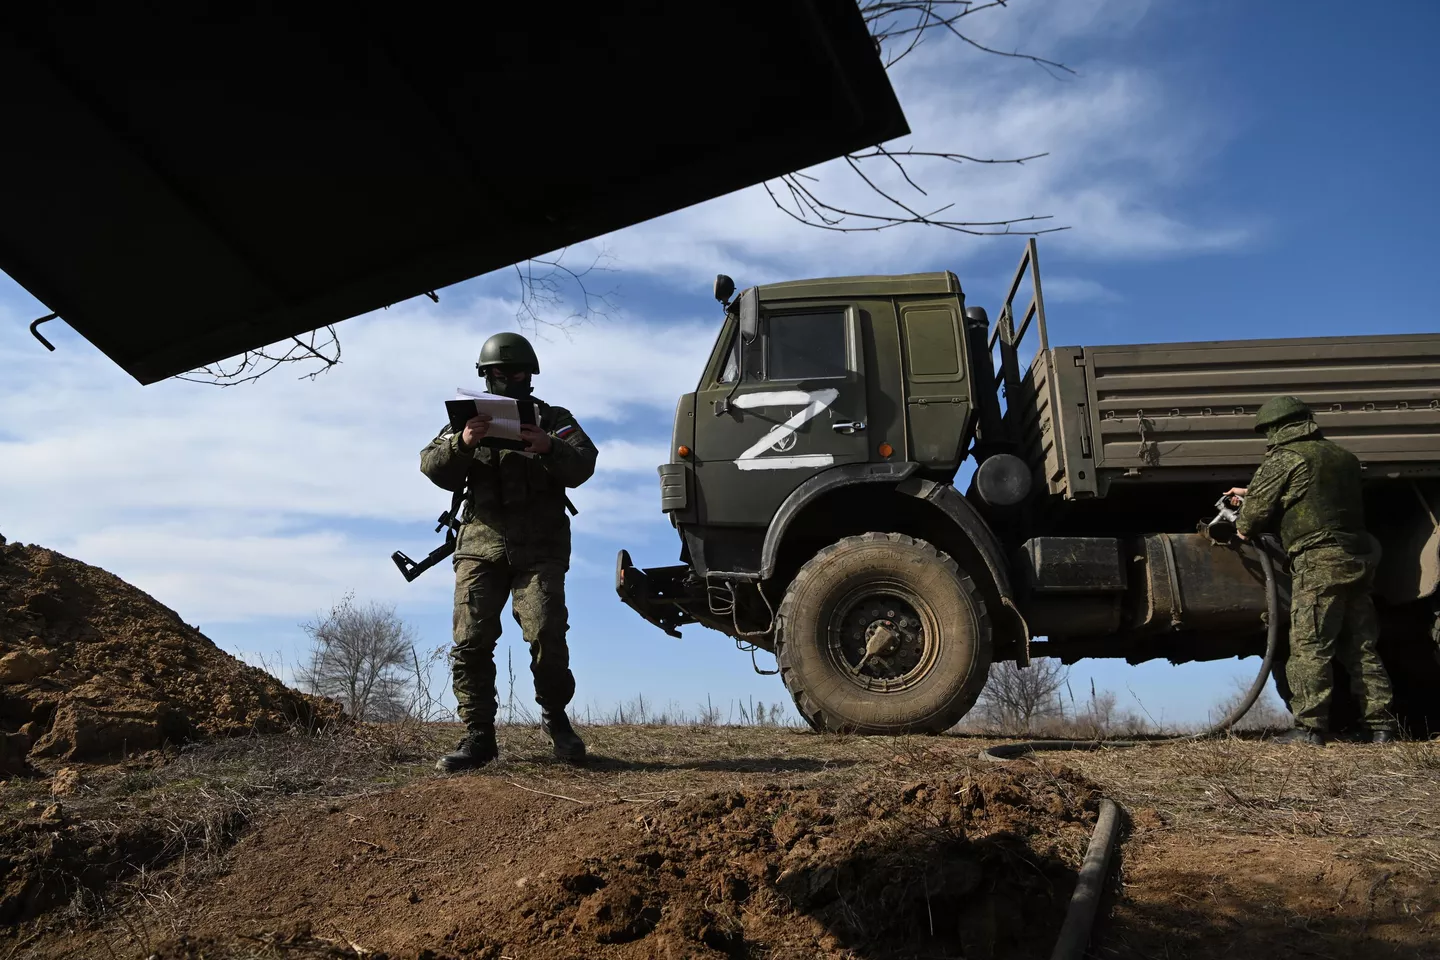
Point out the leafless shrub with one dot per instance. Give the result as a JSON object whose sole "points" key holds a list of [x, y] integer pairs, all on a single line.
{"points": [[1099, 718], [1016, 699], [1267, 713], [365, 658], [709, 714]]}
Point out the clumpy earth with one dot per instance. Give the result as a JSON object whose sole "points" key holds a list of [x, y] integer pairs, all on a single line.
{"points": [[727, 842], [93, 669], [978, 863]]}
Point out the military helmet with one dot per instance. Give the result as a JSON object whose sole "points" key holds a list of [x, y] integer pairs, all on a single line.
{"points": [[508, 349], [1279, 410]]}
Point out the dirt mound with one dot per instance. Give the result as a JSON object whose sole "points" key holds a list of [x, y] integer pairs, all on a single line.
{"points": [[92, 668], [975, 866], [974, 862]]}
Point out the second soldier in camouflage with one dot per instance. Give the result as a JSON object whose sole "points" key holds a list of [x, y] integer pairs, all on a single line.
{"points": [[1310, 488]]}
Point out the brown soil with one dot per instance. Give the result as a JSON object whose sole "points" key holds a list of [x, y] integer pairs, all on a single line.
{"points": [[1282, 899], [719, 842], [92, 668], [975, 864]]}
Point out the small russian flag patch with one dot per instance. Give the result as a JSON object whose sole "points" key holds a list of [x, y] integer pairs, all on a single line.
{"points": [[566, 430]]}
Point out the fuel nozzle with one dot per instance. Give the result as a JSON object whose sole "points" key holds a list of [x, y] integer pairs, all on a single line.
{"points": [[1222, 528]]}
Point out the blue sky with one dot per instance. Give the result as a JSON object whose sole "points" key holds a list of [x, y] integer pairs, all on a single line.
{"points": [[1227, 170]]}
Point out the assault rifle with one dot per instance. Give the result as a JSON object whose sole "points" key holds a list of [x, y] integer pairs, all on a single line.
{"points": [[449, 521]]}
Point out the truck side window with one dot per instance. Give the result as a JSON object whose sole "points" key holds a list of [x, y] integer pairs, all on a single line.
{"points": [[804, 346], [753, 354], [731, 371]]}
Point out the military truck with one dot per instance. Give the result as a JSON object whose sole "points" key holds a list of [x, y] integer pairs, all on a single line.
{"points": [[868, 482]]}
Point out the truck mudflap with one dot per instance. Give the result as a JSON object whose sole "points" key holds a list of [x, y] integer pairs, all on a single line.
{"points": [[656, 594]]}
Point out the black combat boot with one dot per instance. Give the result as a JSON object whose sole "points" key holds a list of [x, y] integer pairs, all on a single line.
{"points": [[1382, 736], [474, 751], [1310, 738], [568, 745]]}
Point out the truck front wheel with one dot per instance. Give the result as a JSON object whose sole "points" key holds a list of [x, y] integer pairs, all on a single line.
{"points": [[883, 634]]}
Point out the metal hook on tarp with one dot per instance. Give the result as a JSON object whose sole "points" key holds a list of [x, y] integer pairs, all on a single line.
{"points": [[38, 335]]}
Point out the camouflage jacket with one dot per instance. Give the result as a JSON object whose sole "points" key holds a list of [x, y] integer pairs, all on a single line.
{"points": [[516, 507], [1309, 489]]}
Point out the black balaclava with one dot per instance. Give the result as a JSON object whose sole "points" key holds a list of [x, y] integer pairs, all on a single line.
{"points": [[505, 387]]}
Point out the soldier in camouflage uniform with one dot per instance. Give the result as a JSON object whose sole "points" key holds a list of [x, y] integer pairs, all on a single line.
{"points": [[514, 542], [1309, 488]]}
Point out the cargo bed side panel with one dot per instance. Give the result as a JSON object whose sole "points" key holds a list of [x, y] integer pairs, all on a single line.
{"points": [[1174, 411]]}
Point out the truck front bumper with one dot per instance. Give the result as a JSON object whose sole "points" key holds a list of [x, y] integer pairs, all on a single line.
{"points": [[658, 594]]}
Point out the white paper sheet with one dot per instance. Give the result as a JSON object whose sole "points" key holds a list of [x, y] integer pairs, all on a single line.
{"points": [[504, 415], [504, 412]]}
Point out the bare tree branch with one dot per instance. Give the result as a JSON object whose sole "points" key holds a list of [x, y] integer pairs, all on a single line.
{"points": [[254, 364], [543, 291], [548, 285], [898, 28]]}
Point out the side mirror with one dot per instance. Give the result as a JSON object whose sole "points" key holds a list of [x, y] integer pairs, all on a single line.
{"points": [[724, 288], [749, 314]]}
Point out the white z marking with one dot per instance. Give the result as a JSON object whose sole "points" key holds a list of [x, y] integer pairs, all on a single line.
{"points": [[814, 403]]}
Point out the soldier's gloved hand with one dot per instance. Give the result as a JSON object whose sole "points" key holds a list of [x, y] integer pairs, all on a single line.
{"points": [[475, 429], [537, 440]]}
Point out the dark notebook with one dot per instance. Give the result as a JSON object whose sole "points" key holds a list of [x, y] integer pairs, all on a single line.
{"points": [[505, 411]]}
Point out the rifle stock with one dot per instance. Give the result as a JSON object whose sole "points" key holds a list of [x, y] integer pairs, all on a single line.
{"points": [[409, 569], [449, 521]]}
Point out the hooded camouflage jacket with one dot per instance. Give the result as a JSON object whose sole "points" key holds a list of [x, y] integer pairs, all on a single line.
{"points": [[1310, 488], [516, 507]]}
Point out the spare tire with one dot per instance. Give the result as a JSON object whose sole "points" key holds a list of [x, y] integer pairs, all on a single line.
{"points": [[883, 634]]}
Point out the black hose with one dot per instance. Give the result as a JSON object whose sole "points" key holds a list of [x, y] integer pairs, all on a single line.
{"points": [[1085, 903], [1011, 751], [1089, 886]]}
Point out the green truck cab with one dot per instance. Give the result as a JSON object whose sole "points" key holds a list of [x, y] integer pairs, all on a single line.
{"points": [[813, 485]]}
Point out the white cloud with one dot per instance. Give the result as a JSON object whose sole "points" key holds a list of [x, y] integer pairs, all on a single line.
{"points": [[1119, 143], [211, 499], [208, 577], [1077, 290]]}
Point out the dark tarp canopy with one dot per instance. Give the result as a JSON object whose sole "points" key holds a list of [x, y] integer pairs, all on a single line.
{"points": [[181, 187]]}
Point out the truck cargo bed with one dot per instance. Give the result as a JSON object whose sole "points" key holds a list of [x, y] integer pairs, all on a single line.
{"points": [[1179, 412]]}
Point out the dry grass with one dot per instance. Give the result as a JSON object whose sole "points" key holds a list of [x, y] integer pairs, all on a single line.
{"points": [[127, 831], [1377, 802]]}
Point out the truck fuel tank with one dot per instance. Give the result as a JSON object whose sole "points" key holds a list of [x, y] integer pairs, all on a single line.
{"points": [[1192, 583], [1106, 586]]}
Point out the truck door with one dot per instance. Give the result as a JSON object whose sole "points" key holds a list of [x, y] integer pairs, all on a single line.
{"points": [[778, 410]]}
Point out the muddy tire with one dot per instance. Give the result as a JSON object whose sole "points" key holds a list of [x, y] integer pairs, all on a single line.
{"points": [[883, 634]]}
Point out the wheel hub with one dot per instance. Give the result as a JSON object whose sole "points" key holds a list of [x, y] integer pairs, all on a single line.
{"points": [[881, 638]]}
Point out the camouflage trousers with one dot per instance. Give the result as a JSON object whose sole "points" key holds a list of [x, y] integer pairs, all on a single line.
{"points": [[1332, 618], [537, 594]]}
